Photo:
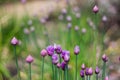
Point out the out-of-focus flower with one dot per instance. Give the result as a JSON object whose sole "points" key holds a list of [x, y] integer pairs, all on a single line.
{"points": [[76, 50], [63, 65], [106, 78], [26, 31], [29, 59], [104, 18], [83, 66], [78, 15], [76, 9], [23, 1], [68, 18], [104, 58], [86, 71], [14, 41], [97, 70], [55, 59], [83, 30], [90, 71], [64, 11], [69, 25], [58, 65], [43, 20], [76, 28], [50, 50], [66, 58], [82, 73], [95, 9], [43, 53], [65, 52]]}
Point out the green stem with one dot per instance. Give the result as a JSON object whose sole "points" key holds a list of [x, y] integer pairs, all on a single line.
{"points": [[30, 78], [16, 60], [64, 75], [83, 78], [52, 69], [96, 76], [103, 73], [60, 69], [42, 67], [76, 69], [87, 78]]}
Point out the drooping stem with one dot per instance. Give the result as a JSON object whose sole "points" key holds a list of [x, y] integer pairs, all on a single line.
{"points": [[30, 77], [103, 73], [42, 67], [16, 60], [76, 69]]}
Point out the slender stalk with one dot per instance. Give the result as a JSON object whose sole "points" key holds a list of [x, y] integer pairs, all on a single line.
{"points": [[83, 78], [87, 78], [103, 73], [64, 75], [52, 69], [60, 69], [96, 76], [30, 77], [42, 67], [16, 60], [76, 69]]}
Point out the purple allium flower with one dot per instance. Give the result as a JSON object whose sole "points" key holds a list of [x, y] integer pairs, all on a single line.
{"points": [[69, 25], [78, 15], [65, 52], [63, 65], [14, 41], [23, 1], [104, 58], [82, 73], [106, 78], [86, 71], [76, 28], [83, 30], [32, 28], [66, 58], [58, 65], [60, 17], [58, 49], [95, 9], [26, 31], [68, 18], [83, 66], [90, 71], [97, 70], [43, 52], [29, 59], [104, 18], [76, 50], [64, 11], [50, 50], [43, 20], [55, 59], [76, 9]]}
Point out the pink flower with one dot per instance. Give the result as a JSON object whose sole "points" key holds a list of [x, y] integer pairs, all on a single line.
{"points": [[29, 59], [95, 9], [14, 41]]}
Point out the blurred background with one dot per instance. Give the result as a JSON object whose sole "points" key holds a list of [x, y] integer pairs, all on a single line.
{"points": [[39, 23]]}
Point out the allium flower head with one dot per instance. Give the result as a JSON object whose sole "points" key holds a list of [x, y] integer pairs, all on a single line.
{"points": [[83, 66], [76, 50], [76, 9], [64, 11], [23, 1], [58, 49], [50, 50], [76, 28], [26, 31], [104, 18], [97, 70], [78, 15], [63, 65], [65, 52], [55, 59], [104, 58], [43, 53], [90, 71], [95, 9], [43, 20], [82, 73], [32, 28], [58, 65], [106, 78], [83, 30], [60, 17], [69, 25], [86, 71], [66, 58], [29, 59], [68, 18], [14, 41]]}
